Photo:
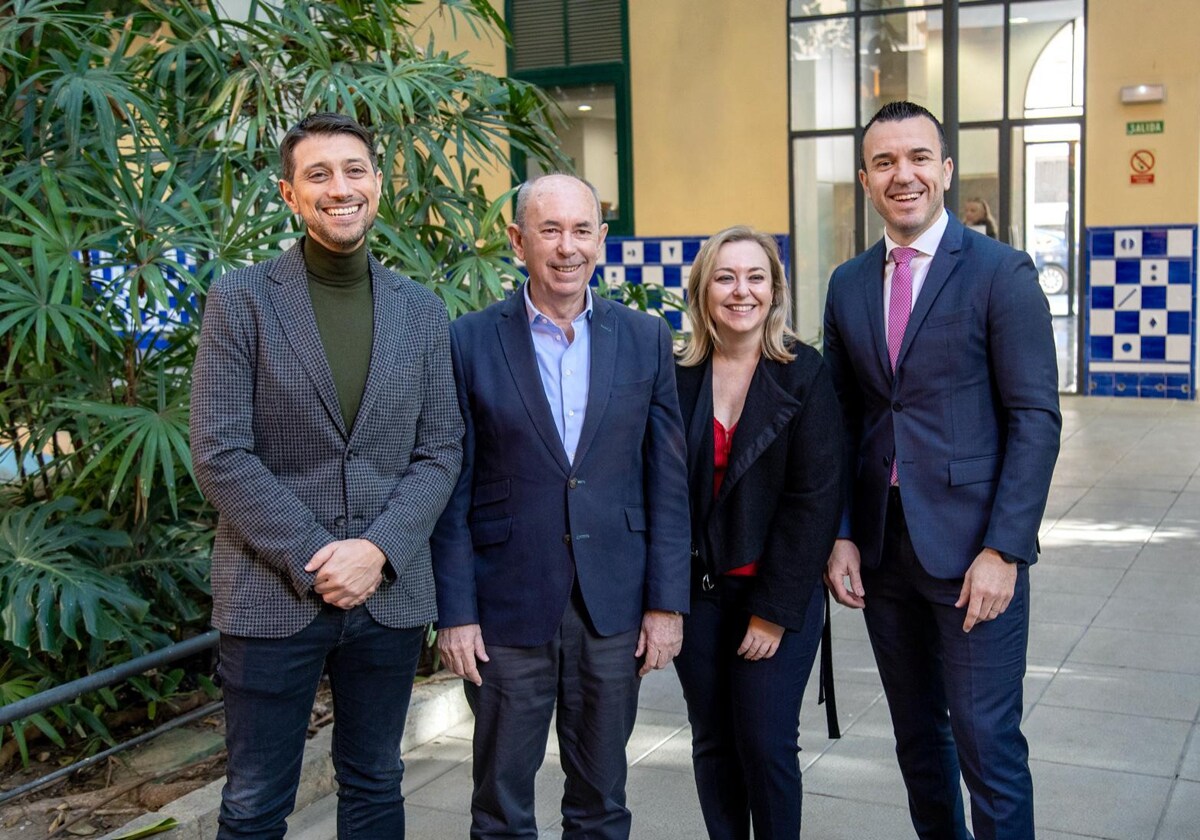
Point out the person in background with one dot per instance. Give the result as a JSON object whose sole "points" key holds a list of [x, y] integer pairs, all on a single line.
{"points": [[942, 353], [977, 215], [325, 432], [764, 476]]}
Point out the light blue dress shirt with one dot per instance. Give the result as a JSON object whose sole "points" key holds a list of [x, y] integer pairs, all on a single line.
{"points": [[565, 368]]}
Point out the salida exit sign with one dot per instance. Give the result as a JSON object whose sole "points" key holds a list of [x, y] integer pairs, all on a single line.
{"points": [[1144, 127]]}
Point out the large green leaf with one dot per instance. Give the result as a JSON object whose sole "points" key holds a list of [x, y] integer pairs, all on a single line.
{"points": [[50, 592]]}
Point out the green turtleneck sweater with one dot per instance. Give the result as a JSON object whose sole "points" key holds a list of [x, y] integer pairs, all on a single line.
{"points": [[340, 288]]}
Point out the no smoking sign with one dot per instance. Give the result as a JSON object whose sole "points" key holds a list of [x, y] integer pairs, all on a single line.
{"points": [[1141, 165]]}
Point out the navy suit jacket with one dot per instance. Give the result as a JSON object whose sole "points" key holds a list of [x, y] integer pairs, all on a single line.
{"points": [[971, 412], [523, 522]]}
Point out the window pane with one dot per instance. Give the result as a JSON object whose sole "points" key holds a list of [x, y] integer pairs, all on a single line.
{"points": [[821, 59], [812, 8], [977, 168], [981, 63], [902, 59], [869, 5], [824, 185], [589, 139], [1046, 59]]}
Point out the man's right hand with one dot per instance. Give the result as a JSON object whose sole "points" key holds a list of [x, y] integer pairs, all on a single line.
{"points": [[844, 563], [460, 646]]}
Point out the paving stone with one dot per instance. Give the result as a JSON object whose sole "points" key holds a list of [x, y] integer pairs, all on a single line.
{"points": [[1126, 691], [1097, 803], [1129, 743]]}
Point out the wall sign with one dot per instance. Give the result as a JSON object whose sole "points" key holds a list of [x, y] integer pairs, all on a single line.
{"points": [[1144, 127]]}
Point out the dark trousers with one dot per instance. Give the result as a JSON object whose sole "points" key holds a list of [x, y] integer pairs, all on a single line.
{"points": [[955, 697], [269, 686], [745, 716], [594, 683]]}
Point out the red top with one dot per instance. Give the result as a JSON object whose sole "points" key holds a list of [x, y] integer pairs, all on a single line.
{"points": [[722, 443]]}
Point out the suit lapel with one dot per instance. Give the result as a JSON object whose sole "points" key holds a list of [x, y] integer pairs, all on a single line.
{"points": [[600, 377], [698, 380], [944, 262], [388, 316], [766, 413], [289, 295], [874, 294], [517, 344]]}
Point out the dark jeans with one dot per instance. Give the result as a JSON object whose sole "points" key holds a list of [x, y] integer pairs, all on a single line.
{"points": [[955, 697], [593, 682], [269, 686], [745, 716]]}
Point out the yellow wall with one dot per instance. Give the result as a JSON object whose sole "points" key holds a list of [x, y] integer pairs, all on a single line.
{"points": [[709, 102], [1143, 43], [487, 53]]}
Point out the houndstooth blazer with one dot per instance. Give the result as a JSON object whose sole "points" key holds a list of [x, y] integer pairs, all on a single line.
{"points": [[273, 455]]}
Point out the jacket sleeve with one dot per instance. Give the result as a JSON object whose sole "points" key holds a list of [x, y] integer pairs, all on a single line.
{"points": [[801, 532], [268, 516], [849, 397], [415, 503], [1025, 372], [453, 551], [668, 560]]}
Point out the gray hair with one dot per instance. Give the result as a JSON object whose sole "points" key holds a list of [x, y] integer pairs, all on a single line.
{"points": [[523, 196]]}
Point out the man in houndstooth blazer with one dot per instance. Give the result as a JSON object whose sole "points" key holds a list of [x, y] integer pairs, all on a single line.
{"points": [[321, 559]]}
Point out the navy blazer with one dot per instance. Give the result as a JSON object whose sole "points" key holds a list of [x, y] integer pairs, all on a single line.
{"points": [[971, 412], [781, 499], [523, 522]]}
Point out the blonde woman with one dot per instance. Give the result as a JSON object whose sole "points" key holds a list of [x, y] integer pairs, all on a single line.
{"points": [[764, 472]]}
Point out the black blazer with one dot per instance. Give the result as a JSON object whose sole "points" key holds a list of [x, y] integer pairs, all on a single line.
{"points": [[781, 501]]}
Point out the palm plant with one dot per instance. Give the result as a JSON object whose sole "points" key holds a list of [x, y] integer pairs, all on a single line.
{"points": [[138, 154]]}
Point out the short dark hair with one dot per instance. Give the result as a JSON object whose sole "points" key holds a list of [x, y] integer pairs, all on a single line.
{"points": [[895, 112], [321, 123]]}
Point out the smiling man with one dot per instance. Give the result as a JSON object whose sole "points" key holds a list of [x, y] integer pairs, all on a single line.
{"points": [[562, 559], [326, 434], [941, 349]]}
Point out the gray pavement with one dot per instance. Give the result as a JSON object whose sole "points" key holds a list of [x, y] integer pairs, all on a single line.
{"points": [[1112, 691]]}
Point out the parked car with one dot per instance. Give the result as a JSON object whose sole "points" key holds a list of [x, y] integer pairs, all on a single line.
{"points": [[1048, 247]]}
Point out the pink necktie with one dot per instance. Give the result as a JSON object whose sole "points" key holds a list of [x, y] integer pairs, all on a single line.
{"points": [[899, 308], [900, 304]]}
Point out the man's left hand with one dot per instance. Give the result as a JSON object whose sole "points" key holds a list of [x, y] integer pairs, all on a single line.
{"points": [[660, 639], [347, 572], [987, 588]]}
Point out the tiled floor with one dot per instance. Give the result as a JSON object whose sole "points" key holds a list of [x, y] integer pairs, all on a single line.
{"points": [[1112, 691]]}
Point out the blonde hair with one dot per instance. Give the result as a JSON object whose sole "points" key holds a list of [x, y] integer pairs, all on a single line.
{"points": [[704, 340]]}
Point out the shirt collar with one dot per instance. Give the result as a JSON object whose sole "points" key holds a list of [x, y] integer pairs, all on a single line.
{"points": [[533, 313], [927, 243]]}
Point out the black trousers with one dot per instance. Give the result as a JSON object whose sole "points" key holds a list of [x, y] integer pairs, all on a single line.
{"points": [[593, 683], [745, 716]]}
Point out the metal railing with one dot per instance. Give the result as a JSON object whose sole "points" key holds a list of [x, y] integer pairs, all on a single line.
{"points": [[66, 692]]}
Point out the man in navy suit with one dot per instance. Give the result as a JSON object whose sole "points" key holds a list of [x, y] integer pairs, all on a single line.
{"points": [[562, 559], [941, 349]]}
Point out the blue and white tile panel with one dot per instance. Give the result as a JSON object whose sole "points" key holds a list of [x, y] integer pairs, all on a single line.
{"points": [[1141, 312], [108, 279]]}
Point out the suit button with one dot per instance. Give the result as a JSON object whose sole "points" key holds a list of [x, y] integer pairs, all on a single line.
{"points": [[573, 483], [340, 521], [887, 462], [567, 539], [897, 406]]}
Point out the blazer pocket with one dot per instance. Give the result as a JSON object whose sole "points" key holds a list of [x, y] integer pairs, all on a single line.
{"points": [[632, 389], [491, 491], [950, 317], [490, 531], [636, 517], [973, 470]]}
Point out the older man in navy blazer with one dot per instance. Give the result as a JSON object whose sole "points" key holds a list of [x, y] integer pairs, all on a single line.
{"points": [[562, 559], [940, 344]]}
